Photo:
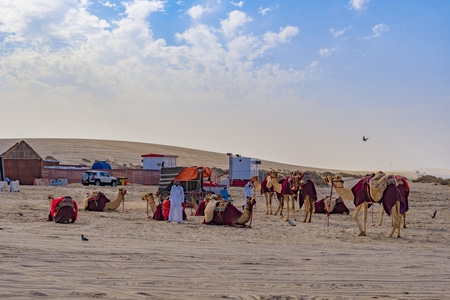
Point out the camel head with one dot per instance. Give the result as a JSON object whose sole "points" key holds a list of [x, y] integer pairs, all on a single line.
{"points": [[50, 197], [254, 179], [122, 191], [251, 201], [146, 197], [336, 181]]}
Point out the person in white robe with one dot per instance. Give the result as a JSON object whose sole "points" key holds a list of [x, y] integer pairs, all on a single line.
{"points": [[176, 203]]}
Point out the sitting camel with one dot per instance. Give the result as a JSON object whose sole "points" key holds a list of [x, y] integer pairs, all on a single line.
{"points": [[221, 212], [97, 201], [148, 197], [62, 210], [200, 211], [151, 201], [327, 206]]}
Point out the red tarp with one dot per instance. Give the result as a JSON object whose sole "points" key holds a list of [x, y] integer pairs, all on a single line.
{"points": [[191, 173]]}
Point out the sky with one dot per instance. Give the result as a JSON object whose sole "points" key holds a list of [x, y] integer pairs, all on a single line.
{"points": [[291, 81]]}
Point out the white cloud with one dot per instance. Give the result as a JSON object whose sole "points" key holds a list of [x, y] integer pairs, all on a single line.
{"points": [[378, 30], [197, 11], [235, 20], [338, 33], [108, 4], [326, 51], [358, 4], [264, 11], [239, 4]]}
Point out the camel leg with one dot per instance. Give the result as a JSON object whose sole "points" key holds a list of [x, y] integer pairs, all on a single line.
{"points": [[366, 209], [307, 209], [270, 204], [311, 205], [293, 208], [280, 206], [286, 200], [397, 219], [404, 220], [381, 216], [356, 218]]}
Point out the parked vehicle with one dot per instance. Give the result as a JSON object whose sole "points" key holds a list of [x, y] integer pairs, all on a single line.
{"points": [[98, 178]]}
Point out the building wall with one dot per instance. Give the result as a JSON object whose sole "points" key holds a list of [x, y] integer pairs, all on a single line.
{"points": [[24, 170], [134, 176]]}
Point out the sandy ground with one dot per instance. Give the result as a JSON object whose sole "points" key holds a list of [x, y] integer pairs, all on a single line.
{"points": [[131, 257]]}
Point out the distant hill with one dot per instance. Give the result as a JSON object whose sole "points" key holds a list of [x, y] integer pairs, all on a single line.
{"points": [[128, 154]]}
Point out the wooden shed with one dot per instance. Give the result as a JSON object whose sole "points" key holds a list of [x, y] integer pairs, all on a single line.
{"points": [[21, 162]]}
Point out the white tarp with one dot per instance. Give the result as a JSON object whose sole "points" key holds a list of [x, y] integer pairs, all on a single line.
{"points": [[14, 186], [4, 187]]}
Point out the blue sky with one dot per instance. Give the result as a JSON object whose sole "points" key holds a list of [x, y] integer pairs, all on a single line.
{"points": [[292, 81]]}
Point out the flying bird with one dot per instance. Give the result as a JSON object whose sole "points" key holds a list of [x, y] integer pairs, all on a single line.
{"points": [[365, 138], [84, 239], [433, 215]]}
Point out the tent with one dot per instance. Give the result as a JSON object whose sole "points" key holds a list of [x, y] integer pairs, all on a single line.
{"points": [[188, 177], [101, 165]]}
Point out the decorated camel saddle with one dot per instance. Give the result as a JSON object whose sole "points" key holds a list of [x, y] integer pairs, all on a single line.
{"points": [[334, 206]]}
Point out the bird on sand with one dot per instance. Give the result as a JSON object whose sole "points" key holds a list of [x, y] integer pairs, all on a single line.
{"points": [[365, 138], [20, 214], [84, 239], [433, 215]]}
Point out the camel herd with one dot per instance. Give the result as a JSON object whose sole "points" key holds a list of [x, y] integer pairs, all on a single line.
{"points": [[390, 191]]}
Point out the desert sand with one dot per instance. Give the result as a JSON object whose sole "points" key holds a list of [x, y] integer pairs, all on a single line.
{"points": [[129, 256]]}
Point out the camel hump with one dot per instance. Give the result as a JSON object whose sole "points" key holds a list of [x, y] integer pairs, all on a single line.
{"points": [[209, 210], [377, 186]]}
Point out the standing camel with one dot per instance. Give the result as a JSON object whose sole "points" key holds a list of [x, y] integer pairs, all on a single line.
{"points": [[281, 186], [265, 191], [309, 195], [402, 185], [369, 189], [360, 195]]}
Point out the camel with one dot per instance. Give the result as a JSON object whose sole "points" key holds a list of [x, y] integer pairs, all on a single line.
{"points": [[371, 188], [402, 185], [151, 201], [62, 210], [148, 197], [282, 186], [267, 192], [333, 206], [221, 212], [200, 211], [97, 201]]}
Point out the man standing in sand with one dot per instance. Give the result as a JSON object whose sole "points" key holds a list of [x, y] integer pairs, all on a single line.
{"points": [[176, 203]]}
